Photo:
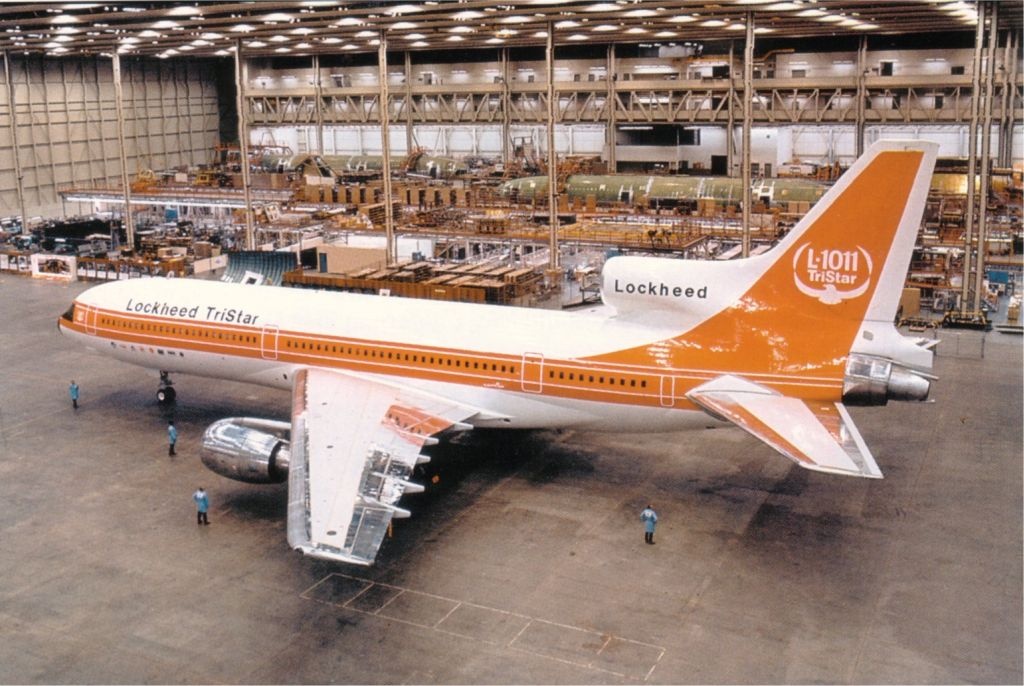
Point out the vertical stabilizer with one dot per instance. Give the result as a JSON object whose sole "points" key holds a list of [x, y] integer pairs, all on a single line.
{"points": [[799, 307]]}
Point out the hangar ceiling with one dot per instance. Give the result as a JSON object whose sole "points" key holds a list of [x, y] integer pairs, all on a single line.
{"points": [[305, 27]]}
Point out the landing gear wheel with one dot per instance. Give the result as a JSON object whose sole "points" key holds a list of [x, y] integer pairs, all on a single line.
{"points": [[165, 395]]}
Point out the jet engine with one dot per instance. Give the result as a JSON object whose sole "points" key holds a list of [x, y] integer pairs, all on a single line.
{"points": [[246, 449], [871, 380]]}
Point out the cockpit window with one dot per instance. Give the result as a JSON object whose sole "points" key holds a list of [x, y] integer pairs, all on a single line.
{"points": [[69, 314]]}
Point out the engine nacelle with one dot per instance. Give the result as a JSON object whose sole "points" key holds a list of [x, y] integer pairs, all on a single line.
{"points": [[871, 380], [251, 450]]}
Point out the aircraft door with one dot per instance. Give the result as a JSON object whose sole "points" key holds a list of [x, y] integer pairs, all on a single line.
{"points": [[668, 391], [268, 342], [532, 372], [90, 318]]}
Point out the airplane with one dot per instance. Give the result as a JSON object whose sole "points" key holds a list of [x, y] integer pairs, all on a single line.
{"points": [[666, 191], [416, 164], [778, 344]]}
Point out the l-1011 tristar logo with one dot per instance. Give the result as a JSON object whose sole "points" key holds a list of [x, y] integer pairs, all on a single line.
{"points": [[832, 275]]}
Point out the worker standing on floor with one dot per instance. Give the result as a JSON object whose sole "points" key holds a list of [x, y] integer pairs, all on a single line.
{"points": [[202, 505], [650, 518], [172, 438]]}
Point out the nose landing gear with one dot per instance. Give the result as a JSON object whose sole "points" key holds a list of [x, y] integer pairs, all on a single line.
{"points": [[165, 392]]}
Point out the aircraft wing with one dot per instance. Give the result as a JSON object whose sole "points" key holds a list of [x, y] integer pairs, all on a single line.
{"points": [[354, 444], [816, 435]]}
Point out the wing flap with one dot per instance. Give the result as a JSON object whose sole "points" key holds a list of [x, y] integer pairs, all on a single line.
{"points": [[355, 443], [816, 435]]}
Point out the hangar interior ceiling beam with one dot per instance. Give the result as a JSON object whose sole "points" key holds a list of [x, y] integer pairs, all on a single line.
{"points": [[305, 27]]}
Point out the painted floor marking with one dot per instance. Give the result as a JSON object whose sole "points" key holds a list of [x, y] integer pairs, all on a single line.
{"points": [[564, 643]]}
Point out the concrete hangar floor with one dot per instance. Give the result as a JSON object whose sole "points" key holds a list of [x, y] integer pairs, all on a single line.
{"points": [[525, 563]]}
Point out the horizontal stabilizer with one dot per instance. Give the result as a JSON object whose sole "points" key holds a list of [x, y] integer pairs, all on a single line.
{"points": [[816, 435]]}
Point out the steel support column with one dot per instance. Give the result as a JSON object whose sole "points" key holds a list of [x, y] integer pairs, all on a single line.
{"points": [[609, 75], [506, 108], [129, 225], [986, 153], [748, 96], [15, 151], [1009, 81], [972, 157], [318, 107], [385, 149], [241, 77], [410, 139], [549, 64], [730, 126], [862, 94]]}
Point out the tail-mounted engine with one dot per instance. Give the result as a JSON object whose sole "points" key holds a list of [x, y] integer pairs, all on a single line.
{"points": [[871, 380], [245, 449]]}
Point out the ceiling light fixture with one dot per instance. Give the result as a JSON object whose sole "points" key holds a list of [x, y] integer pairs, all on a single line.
{"points": [[185, 11], [403, 9]]}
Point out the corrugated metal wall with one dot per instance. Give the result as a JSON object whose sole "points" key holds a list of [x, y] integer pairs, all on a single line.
{"points": [[67, 123]]}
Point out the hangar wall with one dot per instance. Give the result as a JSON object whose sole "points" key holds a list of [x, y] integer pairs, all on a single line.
{"points": [[67, 123]]}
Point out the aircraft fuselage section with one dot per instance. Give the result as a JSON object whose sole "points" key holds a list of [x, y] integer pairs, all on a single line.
{"points": [[532, 373]]}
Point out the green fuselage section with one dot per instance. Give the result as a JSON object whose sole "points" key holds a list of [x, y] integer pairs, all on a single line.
{"points": [[432, 166], [666, 190]]}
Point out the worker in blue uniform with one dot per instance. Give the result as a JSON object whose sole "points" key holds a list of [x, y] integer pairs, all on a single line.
{"points": [[650, 518], [202, 505], [172, 438]]}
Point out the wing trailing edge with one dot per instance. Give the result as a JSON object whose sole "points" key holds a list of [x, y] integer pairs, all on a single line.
{"points": [[819, 436], [354, 445]]}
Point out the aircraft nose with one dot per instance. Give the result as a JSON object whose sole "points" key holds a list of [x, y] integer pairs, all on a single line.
{"points": [[68, 316]]}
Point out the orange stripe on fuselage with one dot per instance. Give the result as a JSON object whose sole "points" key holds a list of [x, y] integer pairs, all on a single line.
{"points": [[610, 382]]}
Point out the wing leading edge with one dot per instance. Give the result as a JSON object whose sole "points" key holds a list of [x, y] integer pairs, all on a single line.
{"points": [[816, 435], [354, 444]]}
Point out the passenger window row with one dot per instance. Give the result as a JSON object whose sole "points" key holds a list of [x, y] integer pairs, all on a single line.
{"points": [[128, 325], [599, 379], [414, 358]]}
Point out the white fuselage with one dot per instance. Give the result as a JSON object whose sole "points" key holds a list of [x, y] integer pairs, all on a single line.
{"points": [[500, 360]]}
